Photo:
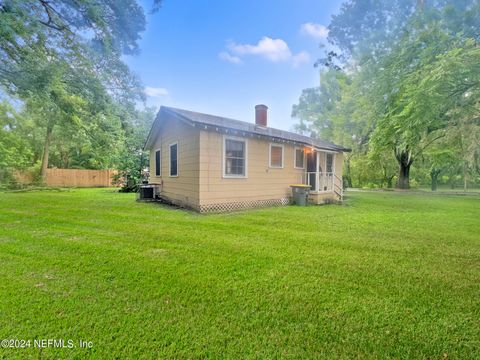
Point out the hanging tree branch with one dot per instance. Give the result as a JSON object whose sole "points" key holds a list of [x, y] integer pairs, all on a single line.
{"points": [[51, 12]]}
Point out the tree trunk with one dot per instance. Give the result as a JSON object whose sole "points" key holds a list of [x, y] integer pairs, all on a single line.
{"points": [[434, 176], [390, 181], [434, 182], [465, 177], [404, 176], [405, 161], [384, 178], [46, 148]]}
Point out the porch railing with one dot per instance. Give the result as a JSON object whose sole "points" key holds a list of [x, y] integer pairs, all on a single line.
{"points": [[325, 182], [320, 181]]}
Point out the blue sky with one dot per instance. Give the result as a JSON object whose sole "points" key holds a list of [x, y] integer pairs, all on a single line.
{"points": [[224, 57]]}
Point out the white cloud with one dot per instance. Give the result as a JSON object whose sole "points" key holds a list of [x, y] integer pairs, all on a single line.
{"points": [[230, 58], [300, 58], [155, 92], [316, 31], [274, 50]]}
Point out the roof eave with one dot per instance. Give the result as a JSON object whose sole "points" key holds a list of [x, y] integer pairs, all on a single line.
{"points": [[236, 131], [149, 142]]}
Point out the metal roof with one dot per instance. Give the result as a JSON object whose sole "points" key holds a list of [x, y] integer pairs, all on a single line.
{"points": [[212, 121]]}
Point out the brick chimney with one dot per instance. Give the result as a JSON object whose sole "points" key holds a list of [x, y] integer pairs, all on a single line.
{"points": [[261, 115]]}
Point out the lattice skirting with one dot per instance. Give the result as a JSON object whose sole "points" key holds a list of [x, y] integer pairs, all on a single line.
{"points": [[234, 206]]}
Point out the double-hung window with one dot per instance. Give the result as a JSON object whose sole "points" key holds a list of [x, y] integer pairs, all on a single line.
{"points": [[174, 159], [157, 163], [329, 163], [276, 156], [235, 157], [299, 158]]}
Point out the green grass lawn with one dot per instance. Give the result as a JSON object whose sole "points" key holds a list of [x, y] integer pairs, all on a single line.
{"points": [[387, 275]]}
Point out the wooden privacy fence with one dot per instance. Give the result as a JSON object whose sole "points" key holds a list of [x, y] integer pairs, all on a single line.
{"points": [[73, 178]]}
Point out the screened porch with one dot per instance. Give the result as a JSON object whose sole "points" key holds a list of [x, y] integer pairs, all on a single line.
{"points": [[320, 173]]}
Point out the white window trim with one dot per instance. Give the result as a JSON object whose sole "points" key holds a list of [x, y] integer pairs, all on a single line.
{"points": [[155, 162], [228, 176], [170, 159], [270, 155], [295, 157]]}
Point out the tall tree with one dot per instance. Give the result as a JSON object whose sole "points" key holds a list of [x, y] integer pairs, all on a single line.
{"points": [[15, 151], [411, 66], [437, 81], [133, 159], [365, 29], [64, 58]]}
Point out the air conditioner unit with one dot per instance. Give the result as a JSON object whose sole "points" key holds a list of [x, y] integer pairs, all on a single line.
{"points": [[148, 192]]}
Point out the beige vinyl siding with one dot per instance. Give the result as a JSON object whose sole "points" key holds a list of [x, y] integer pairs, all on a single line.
{"points": [[262, 181], [338, 168], [182, 189]]}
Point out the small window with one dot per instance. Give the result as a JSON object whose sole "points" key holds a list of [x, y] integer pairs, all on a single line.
{"points": [[299, 158], [276, 156], [235, 158], [329, 163], [174, 159], [157, 163]]}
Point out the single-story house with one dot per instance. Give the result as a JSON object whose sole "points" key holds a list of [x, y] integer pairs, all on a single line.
{"points": [[211, 163]]}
